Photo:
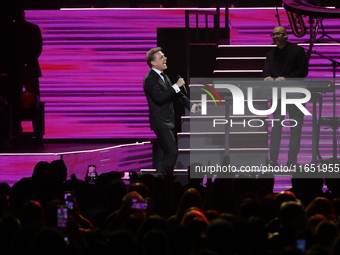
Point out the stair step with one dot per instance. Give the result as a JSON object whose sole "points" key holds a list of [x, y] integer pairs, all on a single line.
{"points": [[217, 140], [242, 73], [238, 157], [236, 63], [243, 50]]}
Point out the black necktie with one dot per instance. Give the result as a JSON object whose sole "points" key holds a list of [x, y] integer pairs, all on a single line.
{"points": [[166, 80]]}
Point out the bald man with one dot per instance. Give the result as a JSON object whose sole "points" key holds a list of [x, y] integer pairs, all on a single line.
{"points": [[287, 60]]}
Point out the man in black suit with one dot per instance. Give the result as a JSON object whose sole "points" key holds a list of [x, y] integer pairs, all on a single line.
{"points": [[25, 69], [161, 95], [287, 60]]}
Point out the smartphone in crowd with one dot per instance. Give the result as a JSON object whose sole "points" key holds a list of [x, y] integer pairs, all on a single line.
{"points": [[91, 174], [301, 244], [125, 175], [62, 216], [140, 204], [69, 199]]}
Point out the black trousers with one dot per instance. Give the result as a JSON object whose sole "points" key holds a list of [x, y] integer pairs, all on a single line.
{"points": [[295, 133], [167, 149], [16, 82]]}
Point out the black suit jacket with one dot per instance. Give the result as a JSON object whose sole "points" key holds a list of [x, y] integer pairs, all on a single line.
{"points": [[28, 45], [295, 63], [161, 99]]}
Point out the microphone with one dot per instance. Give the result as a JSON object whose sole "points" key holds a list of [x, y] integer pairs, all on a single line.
{"points": [[184, 88]]}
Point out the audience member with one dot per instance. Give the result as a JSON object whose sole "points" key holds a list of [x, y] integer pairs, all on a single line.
{"points": [[293, 221], [313, 222], [32, 213], [50, 240], [220, 237], [118, 218], [140, 188], [336, 206], [59, 171], [21, 192], [321, 205], [10, 226], [43, 183], [336, 247], [154, 242], [108, 202], [190, 198], [195, 182], [326, 233], [3, 205], [121, 242], [180, 240], [152, 222]]}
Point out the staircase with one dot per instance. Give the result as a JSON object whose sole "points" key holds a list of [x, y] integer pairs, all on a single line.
{"points": [[242, 61], [244, 145]]}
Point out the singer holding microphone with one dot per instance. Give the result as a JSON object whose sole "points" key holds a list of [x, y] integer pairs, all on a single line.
{"points": [[161, 95]]}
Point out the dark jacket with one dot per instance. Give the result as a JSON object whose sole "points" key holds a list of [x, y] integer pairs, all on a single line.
{"points": [[295, 63], [161, 99]]}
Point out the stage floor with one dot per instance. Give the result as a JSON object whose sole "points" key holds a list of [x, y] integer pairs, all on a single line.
{"points": [[18, 162], [57, 147]]}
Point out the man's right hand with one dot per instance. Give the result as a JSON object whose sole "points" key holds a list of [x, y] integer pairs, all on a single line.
{"points": [[180, 82], [268, 78], [198, 108]]}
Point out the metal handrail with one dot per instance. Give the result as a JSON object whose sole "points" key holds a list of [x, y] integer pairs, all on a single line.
{"points": [[216, 27], [197, 13]]}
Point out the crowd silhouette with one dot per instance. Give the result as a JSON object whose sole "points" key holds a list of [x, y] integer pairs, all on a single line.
{"points": [[240, 215]]}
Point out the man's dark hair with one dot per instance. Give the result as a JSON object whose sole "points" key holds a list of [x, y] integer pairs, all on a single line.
{"points": [[150, 55]]}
